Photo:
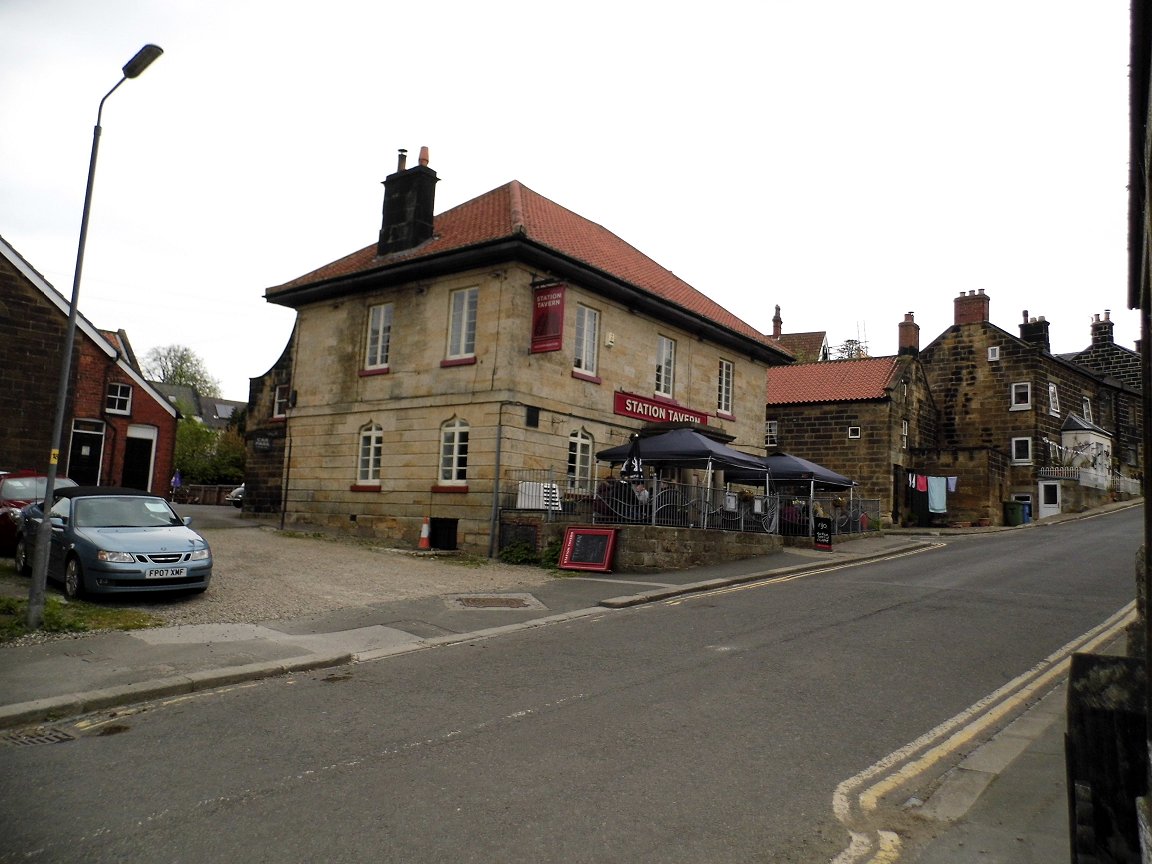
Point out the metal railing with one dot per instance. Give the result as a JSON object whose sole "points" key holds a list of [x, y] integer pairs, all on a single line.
{"points": [[681, 505]]}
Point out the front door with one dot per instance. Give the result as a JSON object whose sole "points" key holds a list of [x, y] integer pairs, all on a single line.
{"points": [[86, 452], [1049, 498]]}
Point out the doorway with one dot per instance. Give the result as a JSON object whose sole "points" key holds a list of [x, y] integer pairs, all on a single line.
{"points": [[1049, 498], [139, 447], [86, 452]]}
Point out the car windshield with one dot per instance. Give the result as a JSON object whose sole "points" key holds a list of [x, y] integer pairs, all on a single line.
{"points": [[122, 512], [29, 488]]}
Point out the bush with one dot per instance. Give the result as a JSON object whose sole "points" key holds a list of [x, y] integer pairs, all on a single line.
{"points": [[519, 552]]}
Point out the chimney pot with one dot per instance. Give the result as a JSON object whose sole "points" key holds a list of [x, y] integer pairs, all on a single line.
{"points": [[424, 156], [401, 159]]}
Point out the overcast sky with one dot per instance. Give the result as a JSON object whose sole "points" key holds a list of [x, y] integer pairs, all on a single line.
{"points": [[850, 161]]}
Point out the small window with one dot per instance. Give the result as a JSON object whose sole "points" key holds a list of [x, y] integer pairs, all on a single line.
{"points": [[462, 323], [724, 387], [371, 452], [1053, 400], [1021, 451], [587, 339], [379, 336], [454, 452], [772, 433], [665, 366], [1086, 409], [1021, 396], [280, 401], [853, 431], [993, 353], [580, 447], [903, 434], [118, 399]]}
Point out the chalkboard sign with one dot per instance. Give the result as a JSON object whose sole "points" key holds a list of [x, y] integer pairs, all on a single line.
{"points": [[823, 528], [588, 549]]}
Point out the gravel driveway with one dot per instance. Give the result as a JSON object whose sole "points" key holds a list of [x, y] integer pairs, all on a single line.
{"points": [[263, 574]]}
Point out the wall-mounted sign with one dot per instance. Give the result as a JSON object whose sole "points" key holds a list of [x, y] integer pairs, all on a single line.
{"points": [[641, 408], [548, 319], [588, 549]]}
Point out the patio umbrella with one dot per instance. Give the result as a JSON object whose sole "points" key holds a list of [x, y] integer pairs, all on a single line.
{"points": [[633, 465]]}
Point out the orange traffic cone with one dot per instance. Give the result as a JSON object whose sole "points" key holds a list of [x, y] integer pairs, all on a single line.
{"points": [[425, 541]]}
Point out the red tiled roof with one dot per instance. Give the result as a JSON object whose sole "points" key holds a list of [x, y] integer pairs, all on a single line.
{"points": [[515, 211], [831, 381]]}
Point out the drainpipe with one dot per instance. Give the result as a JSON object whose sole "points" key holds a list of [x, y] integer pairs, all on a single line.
{"points": [[494, 521]]}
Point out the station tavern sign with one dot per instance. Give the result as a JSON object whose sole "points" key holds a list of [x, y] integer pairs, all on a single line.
{"points": [[631, 405]]}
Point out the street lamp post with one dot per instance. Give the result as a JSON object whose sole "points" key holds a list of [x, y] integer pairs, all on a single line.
{"points": [[142, 59]]}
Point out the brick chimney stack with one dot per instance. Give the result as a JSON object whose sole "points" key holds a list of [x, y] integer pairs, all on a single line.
{"points": [[971, 308], [1034, 331], [909, 340], [1102, 329], [777, 323], [409, 205]]}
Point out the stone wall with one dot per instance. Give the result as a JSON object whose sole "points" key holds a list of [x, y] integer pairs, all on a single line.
{"points": [[655, 549]]}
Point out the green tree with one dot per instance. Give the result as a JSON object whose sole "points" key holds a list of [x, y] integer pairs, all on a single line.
{"points": [[177, 364], [195, 451]]}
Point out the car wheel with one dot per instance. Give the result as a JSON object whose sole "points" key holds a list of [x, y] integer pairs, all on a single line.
{"points": [[74, 579], [23, 565]]}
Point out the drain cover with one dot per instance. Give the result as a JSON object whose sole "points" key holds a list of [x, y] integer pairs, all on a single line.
{"points": [[40, 736], [494, 601]]}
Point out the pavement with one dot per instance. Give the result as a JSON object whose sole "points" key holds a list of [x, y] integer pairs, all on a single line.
{"points": [[976, 813]]}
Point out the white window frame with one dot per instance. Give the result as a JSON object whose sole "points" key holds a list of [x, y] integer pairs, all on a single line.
{"points": [[665, 383], [462, 304], [1086, 407], [115, 400], [454, 452], [903, 434], [280, 400], [587, 339], [1025, 387], [370, 455], [1053, 399], [725, 378], [1021, 460], [581, 470], [993, 353], [378, 345], [772, 433], [854, 432]]}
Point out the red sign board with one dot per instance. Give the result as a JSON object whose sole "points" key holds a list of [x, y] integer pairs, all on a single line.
{"points": [[631, 405], [588, 548], [548, 319]]}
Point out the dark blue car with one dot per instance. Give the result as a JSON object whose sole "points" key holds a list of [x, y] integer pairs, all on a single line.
{"points": [[108, 540]]}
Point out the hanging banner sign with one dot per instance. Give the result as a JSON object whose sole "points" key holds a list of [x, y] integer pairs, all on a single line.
{"points": [[548, 319], [631, 405]]}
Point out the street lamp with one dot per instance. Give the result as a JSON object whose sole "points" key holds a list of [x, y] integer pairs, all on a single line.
{"points": [[141, 61]]}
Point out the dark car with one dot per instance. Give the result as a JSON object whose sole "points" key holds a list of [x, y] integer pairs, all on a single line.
{"points": [[18, 489], [110, 540], [236, 496]]}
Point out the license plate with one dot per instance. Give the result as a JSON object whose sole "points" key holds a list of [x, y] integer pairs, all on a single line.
{"points": [[167, 573]]}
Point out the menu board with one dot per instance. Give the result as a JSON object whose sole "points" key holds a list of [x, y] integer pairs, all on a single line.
{"points": [[588, 549]]}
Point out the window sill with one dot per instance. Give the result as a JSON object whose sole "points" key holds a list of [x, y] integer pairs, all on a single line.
{"points": [[460, 361], [584, 376], [449, 489], [117, 412], [357, 487], [1020, 408], [725, 415], [367, 373], [666, 400], [279, 418]]}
